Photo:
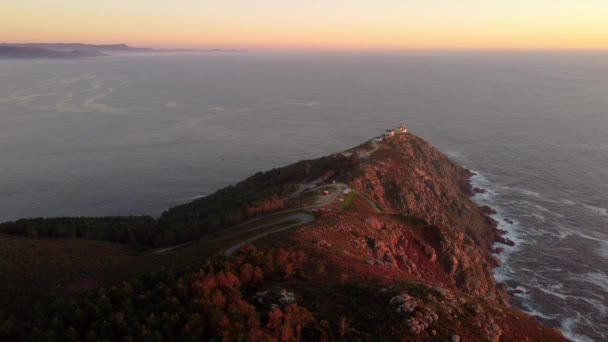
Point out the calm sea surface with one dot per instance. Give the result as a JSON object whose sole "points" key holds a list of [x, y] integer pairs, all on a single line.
{"points": [[137, 134]]}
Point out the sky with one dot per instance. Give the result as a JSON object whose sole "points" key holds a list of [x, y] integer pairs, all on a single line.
{"points": [[312, 24]]}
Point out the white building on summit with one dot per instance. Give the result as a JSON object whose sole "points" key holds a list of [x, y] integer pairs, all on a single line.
{"points": [[399, 130], [391, 132]]}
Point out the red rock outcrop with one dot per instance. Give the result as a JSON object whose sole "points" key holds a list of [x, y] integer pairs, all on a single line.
{"points": [[408, 176]]}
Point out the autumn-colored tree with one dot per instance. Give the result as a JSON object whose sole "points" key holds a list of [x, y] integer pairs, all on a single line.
{"points": [[268, 264], [224, 327], [247, 272], [289, 269], [258, 274], [275, 322], [280, 259], [217, 298], [227, 279]]}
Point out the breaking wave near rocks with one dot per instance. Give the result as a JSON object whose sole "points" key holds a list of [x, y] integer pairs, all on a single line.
{"points": [[556, 270]]}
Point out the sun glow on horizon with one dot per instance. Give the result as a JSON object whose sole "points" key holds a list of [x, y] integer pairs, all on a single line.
{"points": [[297, 24]]}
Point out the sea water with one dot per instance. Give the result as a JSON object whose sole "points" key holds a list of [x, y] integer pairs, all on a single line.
{"points": [[137, 134]]}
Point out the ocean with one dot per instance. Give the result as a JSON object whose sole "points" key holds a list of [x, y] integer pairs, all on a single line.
{"points": [[137, 134]]}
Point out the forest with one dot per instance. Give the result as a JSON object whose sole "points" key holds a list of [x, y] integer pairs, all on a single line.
{"points": [[193, 305]]}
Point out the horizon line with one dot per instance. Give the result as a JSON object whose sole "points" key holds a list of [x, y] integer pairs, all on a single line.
{"points": [[324, 48]]}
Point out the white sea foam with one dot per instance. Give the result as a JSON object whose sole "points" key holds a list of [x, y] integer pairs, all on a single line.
{"points": [[529, 193], [567, 324], [540, 208], [539, 217], [503, 272], [598, 279], [598, 210], [198, 196], [571, 232], [567, 329], [454, 154], [603, 250], [530, 309], [553, 293]]}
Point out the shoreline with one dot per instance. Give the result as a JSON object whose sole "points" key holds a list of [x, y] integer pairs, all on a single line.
{"points": [[508, 241]]}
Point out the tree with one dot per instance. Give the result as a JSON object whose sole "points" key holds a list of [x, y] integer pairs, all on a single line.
{"points": [[268, 264], [247, 273], [258, 274]]}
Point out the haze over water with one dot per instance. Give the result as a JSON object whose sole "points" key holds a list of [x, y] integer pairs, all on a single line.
{"points": [[137, 134]]}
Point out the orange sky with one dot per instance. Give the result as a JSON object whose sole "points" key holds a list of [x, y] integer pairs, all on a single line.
{"points": [[324, 24]]}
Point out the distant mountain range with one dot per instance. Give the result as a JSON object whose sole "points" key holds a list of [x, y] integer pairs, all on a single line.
{"points": [[79, 50]]}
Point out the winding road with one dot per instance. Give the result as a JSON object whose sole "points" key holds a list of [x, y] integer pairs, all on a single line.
{"points": [[301, 218], [291, 217]]}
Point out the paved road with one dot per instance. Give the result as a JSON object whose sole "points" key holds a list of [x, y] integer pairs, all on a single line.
{"points": [[338, 188], [296, 215], [301, 218]]}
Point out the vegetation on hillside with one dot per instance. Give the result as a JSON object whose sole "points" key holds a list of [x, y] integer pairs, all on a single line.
{"points": [[193, 305], [132, 230], [260, 194]]}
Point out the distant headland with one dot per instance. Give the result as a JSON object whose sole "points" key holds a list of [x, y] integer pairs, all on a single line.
{"points": [[80, 50]]}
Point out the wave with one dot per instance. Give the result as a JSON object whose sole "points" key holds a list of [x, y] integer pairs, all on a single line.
{"points": [[454, 155], [600, 211], [598, 279], [537, 216], [603, 250], [197, 196], [567, 328], [530, 193], [541, 208], [511, 227], [531, 310], [492, 197]]}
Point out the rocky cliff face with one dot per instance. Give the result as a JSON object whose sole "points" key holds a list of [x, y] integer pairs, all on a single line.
{"points": [[426, 257], [407, 176]]}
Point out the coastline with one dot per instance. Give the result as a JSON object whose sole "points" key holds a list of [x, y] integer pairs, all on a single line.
{"points": [[508, 243]]}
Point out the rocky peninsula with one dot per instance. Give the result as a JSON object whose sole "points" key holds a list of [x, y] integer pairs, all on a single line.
{"points": [[379, 242]]}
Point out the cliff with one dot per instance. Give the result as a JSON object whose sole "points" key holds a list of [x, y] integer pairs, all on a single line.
{"points": [[410, 177], [380, 242]]}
